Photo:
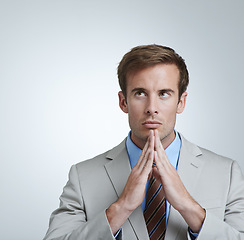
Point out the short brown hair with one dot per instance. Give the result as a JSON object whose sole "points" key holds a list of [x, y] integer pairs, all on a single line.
{"points": [[141, 57]]}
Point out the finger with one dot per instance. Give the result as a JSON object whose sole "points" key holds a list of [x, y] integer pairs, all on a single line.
{"points": [[158, 161], [144, 151], [147, 168], [159, 147], [158, 144], [161, 160], [147, 159]]}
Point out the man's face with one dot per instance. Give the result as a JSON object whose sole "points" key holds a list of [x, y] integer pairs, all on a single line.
{"points": [[153, 102]]}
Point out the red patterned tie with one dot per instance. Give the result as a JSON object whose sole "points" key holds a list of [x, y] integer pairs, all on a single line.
{"points": [[154, 213]]}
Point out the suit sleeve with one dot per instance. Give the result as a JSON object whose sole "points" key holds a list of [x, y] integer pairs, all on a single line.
{"points": [[69, 221], [232, 226]]}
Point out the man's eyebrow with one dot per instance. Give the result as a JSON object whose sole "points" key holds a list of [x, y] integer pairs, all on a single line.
{"points": [[167, 90], [138, 90], [161, 90]]}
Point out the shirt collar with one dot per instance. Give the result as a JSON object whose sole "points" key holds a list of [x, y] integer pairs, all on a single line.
{"points": [[172, 151]]}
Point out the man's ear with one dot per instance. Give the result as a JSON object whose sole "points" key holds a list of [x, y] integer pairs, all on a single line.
{"points": [[122, 102], [182, 103]]}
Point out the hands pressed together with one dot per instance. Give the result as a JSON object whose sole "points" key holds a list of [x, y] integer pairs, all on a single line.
{"points": [[134, 190]]}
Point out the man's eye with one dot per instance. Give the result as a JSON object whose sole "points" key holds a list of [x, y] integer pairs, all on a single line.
{"points": [[164, 94], [140, 94]]}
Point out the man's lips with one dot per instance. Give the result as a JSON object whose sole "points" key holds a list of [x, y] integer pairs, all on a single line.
{"points": [[152, 124]]}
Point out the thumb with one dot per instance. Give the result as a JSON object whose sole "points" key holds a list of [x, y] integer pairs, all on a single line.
{"points": [[155, 173]]}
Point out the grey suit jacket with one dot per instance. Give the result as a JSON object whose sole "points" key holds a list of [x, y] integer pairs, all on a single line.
{"points": [[215, 182]]}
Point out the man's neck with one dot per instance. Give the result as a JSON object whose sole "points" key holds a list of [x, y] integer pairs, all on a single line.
{"points": [[168, 140]]}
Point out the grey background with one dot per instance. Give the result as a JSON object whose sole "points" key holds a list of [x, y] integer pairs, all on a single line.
{"points": [[58, 89]]}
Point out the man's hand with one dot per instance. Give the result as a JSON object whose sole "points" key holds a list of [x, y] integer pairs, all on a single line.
{"points": [[134, 190], [175, 191]]}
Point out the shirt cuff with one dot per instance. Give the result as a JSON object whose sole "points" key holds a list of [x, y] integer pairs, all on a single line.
{"points": [[118, 235], [192, 234]]}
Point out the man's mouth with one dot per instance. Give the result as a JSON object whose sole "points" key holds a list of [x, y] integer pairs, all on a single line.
{"points": [[152, 124]]}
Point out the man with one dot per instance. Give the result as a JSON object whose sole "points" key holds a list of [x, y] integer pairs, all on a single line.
{"points": [[155, 184]]}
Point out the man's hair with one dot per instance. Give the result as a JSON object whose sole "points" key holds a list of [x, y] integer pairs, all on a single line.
{"points": [[145, 56]]}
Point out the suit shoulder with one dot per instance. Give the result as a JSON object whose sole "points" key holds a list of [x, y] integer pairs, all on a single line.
{"points": [[214, 159], [204, 154], [100, 160], [208, 155], [94, 162]]}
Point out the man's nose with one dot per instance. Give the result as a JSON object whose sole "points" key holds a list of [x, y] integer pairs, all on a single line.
{"points": [[152, 106]]}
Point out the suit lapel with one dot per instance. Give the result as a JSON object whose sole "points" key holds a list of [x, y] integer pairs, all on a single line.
{"points": [[189, 168], [118, 171], [119, 168], [190, 165], [138, 224]]}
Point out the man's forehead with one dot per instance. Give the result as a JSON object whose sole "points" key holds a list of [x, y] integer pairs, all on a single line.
{"points": [[140, 73]]}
